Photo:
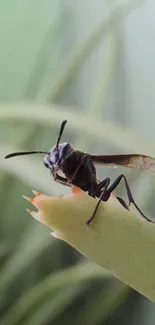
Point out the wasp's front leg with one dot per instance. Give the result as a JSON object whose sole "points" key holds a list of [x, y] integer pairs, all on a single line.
{"points": [[60, 179]]}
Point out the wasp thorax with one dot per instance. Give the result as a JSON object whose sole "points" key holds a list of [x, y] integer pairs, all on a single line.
{"points": [[57, 155]]}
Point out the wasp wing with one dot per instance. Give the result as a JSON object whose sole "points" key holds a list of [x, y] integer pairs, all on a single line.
{"points": [[136, 161]]}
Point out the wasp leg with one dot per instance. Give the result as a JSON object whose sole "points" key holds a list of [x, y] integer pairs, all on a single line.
{"points": [[101, 185], [129, 194], [124, 204], [60, 179], [103, 193]]}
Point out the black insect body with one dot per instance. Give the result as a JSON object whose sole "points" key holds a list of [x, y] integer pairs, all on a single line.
{"points": [[79, 169]]}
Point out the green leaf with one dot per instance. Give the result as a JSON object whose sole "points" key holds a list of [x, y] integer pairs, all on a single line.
{"points": [[117, 239]]}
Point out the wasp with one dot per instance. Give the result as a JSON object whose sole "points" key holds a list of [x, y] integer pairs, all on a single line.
{"points": [[79, 169]]}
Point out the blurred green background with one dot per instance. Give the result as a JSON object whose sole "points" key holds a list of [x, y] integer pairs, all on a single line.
{"points": [[92, 63]]}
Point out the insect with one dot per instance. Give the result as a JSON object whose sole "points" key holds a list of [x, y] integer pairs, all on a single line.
{"points": [[79, 168]]}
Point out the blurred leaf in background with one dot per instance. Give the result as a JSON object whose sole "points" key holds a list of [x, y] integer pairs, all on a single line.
{"points": [[93, 64]]}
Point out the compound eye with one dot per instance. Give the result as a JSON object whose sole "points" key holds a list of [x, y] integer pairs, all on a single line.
{"points": [[52, 158], [56, 156]]}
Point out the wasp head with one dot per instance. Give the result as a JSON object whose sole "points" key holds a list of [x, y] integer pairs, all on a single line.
{"points": [[57, 155]]}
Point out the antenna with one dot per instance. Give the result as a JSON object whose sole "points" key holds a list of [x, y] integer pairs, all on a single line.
{"points": [[10, 155], [14, 154], [60, 132]]}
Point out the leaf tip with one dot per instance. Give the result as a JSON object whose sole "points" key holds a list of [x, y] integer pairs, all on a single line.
{"points": [[33, 213], [29, 199], [36, 193]]}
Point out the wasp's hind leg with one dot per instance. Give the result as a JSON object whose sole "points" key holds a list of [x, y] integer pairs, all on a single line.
{"points": [[129, 195], [104, 184], [123, 203]]}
